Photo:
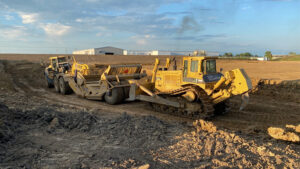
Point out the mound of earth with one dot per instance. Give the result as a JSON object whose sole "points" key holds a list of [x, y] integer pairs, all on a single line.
{"points": [[46, 137], [222, 148], [285, 134], [43, 137]]}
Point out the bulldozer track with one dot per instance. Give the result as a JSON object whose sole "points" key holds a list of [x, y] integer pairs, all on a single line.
{"points": [[206, 107]]}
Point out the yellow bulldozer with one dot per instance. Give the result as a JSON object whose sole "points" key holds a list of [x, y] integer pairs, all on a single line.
{"points": [[195, 91]]}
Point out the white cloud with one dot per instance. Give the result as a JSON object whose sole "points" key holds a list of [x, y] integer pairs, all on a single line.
{"points": [[92, 1], [149, 36], [79, 20], [99, 34], [13, 33], [56, 29], [28, 18], [141, 42], [8, 17]]}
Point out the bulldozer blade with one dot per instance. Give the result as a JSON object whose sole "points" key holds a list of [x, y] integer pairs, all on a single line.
{"points": [[245, 101]]}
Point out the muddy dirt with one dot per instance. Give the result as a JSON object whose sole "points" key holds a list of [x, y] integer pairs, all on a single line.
{"points": [[42, 129], [47, 138]]}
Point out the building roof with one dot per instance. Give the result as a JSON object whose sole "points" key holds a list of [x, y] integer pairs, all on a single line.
{"points": [[108, 47]]}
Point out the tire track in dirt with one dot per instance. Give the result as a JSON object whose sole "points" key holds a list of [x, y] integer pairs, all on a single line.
{"points": [[10, 70], [260, 113]]}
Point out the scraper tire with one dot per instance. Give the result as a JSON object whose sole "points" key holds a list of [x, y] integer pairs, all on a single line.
{"points": [[116, 96], [47, 83], [56, 85], [64, 86]]}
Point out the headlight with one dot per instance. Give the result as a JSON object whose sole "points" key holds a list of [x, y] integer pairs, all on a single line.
{"points": [[199, 81]]}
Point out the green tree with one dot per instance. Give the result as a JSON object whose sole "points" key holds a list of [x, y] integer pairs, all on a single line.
{"points": [[268, 55], [228, 54], [246, 54], [292, 53]]}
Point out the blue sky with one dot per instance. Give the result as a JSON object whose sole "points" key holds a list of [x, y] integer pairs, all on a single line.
{"points": [[56, 26]]}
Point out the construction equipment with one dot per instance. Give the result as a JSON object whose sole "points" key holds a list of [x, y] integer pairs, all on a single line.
{"points": [[56, 74], [92, 81], [103, 82], [195, 91]]}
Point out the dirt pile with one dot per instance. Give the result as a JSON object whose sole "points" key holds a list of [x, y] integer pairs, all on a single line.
{"points": [[223, 148], [72, 138], [290, 133], [38, 137], [295, 128], [202, 125]]}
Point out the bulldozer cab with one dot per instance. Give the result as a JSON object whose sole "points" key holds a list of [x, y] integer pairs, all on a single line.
{"points": [[203, 69]]}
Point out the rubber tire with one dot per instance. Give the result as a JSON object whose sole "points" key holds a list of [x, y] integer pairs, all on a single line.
{"points": [[56, 84], [64, 86], [48, 85], [117, 96]]}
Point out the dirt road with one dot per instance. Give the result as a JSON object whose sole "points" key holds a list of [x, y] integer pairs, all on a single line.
{"points": [[64, 131]]}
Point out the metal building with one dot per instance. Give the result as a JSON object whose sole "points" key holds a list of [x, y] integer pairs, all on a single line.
{"points": [[108, 50]]}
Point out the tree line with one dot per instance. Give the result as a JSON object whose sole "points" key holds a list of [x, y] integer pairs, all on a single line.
{"points": [[246, 54], [268, 55]]}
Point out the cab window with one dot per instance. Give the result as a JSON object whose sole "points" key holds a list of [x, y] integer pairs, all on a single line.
{"points": [[211, 66], [54, 63], [63, 59], [202, 66], [194, 66], [185, 68]]}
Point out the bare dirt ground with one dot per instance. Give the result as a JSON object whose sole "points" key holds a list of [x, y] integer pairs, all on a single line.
{"points": [[278, 70], [42, 129]]}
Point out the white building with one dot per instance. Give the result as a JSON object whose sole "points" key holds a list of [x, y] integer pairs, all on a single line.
{"points": [[108, 50], [262, 58], [160, 52], [117, 51]]}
